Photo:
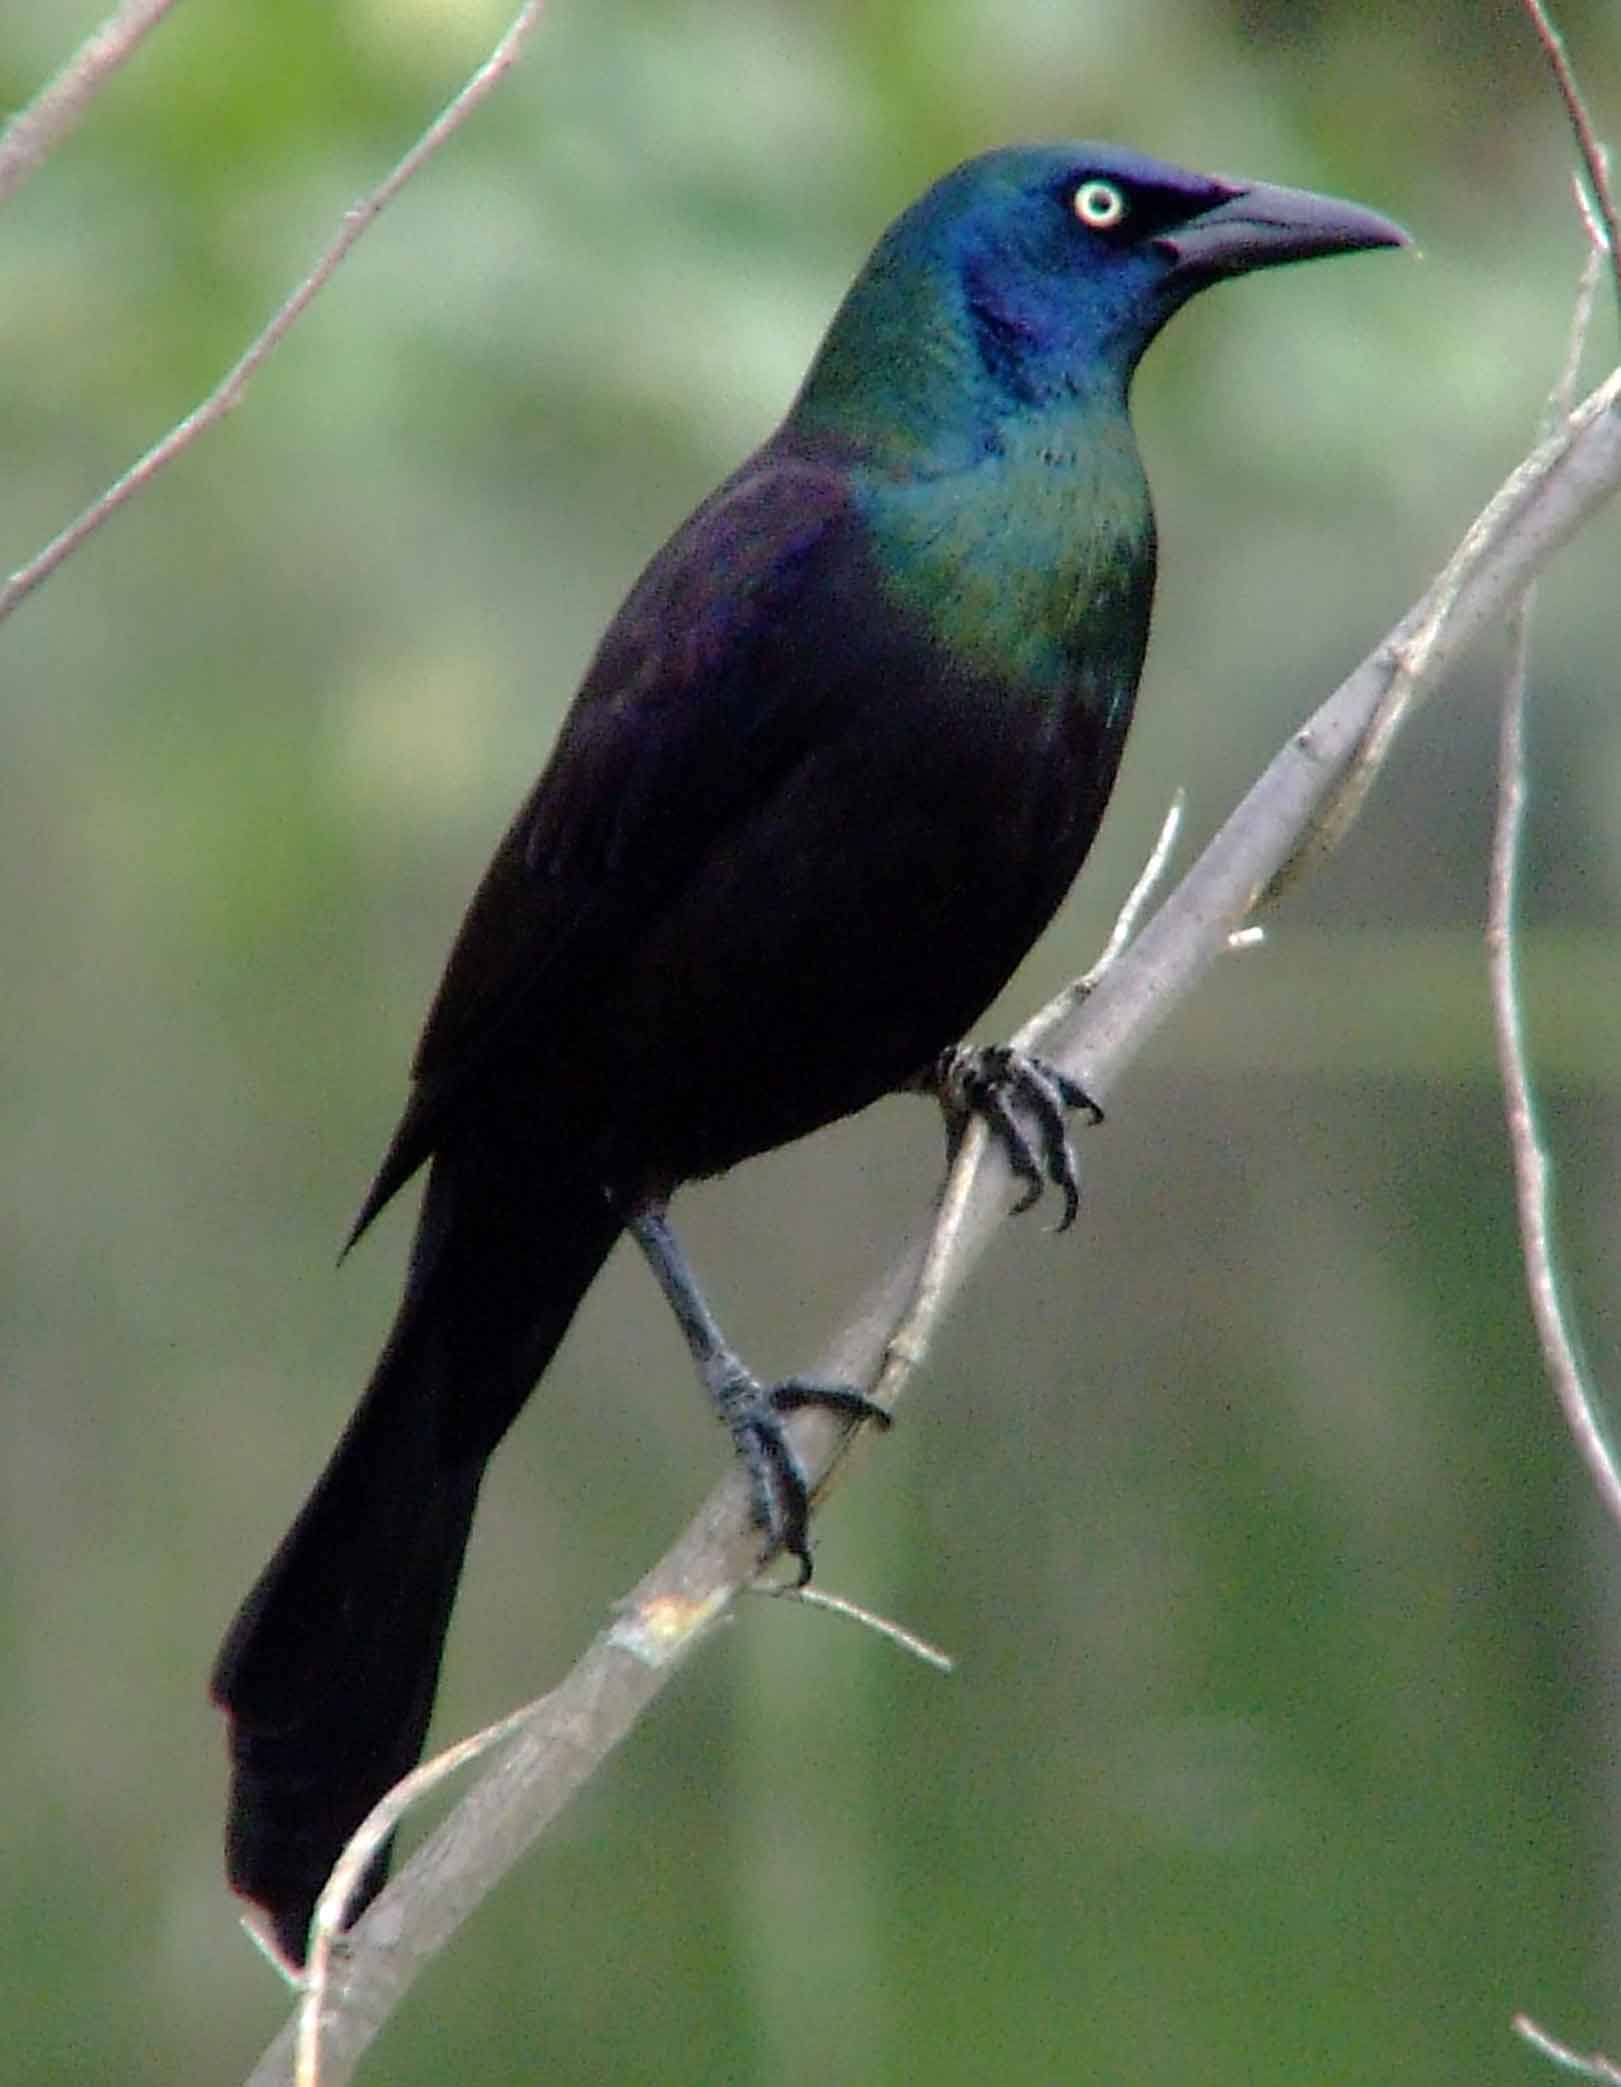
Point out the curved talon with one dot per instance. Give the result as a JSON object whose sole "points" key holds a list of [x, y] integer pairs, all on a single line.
{"points": [[752, 1411], [781, 1489], [794, 1395], [1005, 1127], [996, 1081], [777, 1479], [1038, 1087]]}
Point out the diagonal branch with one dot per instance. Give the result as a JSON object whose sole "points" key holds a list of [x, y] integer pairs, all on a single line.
{"points": [[227, 394], [62, 104], [564, 1738], [1595, 160]]}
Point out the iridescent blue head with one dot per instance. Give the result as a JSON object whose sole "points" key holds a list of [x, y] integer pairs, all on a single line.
{"points": [[1039, 274]]}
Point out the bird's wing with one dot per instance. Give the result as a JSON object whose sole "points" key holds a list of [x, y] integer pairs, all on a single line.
{"points": [[705, 688]]}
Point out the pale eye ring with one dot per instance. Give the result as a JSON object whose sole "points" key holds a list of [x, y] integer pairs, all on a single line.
{"points": [[1099, 205]]}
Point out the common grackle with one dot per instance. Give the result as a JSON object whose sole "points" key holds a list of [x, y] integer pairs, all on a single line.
{"points": [[833, 766]]}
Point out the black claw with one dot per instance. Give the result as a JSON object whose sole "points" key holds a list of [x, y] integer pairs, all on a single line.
{"points": [[998, 1082], [753, 1412], [781, 1490], [799, 1392], [991, 1102], [781, 1494]]}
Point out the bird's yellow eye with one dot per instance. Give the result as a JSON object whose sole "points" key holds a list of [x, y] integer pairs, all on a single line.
{"points": [[1099, 205]]}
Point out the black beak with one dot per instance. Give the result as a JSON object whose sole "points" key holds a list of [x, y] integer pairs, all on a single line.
{"points": [[1257, 226]]}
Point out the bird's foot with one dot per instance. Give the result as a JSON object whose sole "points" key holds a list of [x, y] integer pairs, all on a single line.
{"points": [[755, 1414], [1004, 1085]]}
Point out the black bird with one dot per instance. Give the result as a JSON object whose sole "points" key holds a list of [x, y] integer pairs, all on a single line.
{"points": [[834, 765]]}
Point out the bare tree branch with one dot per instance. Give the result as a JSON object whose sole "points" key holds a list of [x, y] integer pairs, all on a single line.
{"points": [[228, 392], [1531, 1169], [897, 1634], [346, 1880], [1561, 1354], [34, 133], [1593, 155], [1592, 2065], [564, 1737]]}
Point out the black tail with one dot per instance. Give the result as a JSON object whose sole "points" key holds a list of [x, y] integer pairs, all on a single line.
{"points": [[329, 1670]]}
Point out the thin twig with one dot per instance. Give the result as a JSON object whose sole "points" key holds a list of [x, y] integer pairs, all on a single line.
{"points": [[33, 133], [1581, 317], [1531, 1169], [1593, 2066], [338, 1894], [228, 392], [1126, 921], [1594, 157], [1532, 1173], [1529, 1153], [896, 1633]]}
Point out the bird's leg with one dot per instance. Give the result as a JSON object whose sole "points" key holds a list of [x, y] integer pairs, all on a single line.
{"points": [[753, 1412], [1004, 1084]]}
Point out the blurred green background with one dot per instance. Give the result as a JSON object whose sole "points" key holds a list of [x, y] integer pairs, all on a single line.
{"points": [[1283, 1742]]}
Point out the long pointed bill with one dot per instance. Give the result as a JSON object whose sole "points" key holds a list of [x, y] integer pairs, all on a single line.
{"points": [[1258, 226]]}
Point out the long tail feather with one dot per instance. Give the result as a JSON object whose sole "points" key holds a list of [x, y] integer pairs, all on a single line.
{"points": [[330, 1668]]}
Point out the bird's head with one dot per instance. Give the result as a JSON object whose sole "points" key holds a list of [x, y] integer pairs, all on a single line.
{"points": [[1040, 273]]}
